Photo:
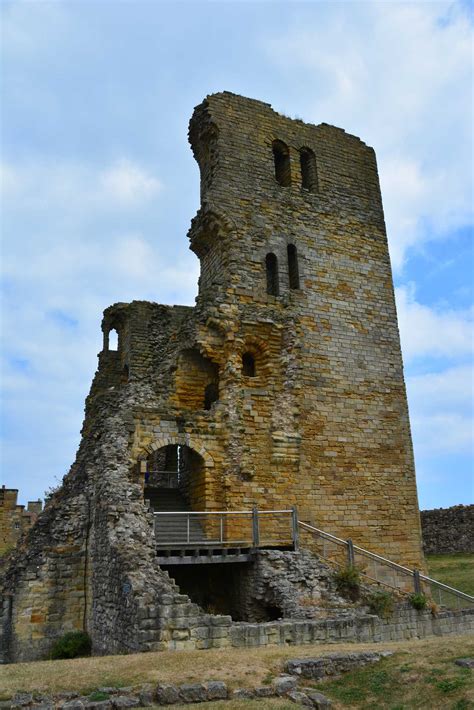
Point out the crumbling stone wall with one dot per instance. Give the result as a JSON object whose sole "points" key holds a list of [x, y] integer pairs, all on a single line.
{"points": [[448, 529], [295, 279], [14, 519]]}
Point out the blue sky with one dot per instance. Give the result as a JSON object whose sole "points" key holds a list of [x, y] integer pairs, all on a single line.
{"points": [[99, 186]]}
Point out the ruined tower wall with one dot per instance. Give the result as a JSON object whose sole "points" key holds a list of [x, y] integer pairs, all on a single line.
{"points": [[334, 411]]}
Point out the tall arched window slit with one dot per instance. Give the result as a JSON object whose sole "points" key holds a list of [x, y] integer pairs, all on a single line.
{"points": [[293, 271], [271, 265], [281, 158], [309, 174]]}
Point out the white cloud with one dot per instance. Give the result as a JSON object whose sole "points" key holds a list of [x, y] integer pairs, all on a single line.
{"points": [[122, 184], [441, 411], [426, 331], [127, 182], [442, 432], [407, 91], [452, 387]]}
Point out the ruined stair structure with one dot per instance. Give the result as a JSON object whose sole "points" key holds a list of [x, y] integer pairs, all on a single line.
{"points": [[282, 387]]}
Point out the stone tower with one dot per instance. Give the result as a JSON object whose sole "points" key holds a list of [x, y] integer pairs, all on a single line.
{"points": [[282, 386]]}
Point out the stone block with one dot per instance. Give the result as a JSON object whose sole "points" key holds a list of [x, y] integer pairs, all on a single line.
{"points": [[299, 698], [265, 691], [192, 693], [465, 662], [319, 701], [216, 690], [125, 701], [166, 694], [146, 695], [284, 683], [243, 694]]}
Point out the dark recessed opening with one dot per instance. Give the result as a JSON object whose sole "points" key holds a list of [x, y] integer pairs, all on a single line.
{"points": [[271, 266], [248, 365], [211, 395], [293, 271], [309, 176], [281, 157]]}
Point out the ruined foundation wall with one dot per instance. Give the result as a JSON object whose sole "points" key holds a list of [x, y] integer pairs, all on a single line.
{"points": [[448, 530]]}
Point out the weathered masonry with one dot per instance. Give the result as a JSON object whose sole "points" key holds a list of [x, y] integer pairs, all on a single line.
{"points": [[14, 519], [282, 387]]}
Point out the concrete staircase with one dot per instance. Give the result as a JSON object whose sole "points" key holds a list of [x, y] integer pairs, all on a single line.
{"points": [[172, 530]]}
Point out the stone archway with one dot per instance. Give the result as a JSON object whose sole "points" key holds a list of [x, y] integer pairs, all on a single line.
{"points": [[180, 463]]}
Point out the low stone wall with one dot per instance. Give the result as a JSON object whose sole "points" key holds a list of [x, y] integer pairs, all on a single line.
{"points": [[405, 623], [448, 530]]}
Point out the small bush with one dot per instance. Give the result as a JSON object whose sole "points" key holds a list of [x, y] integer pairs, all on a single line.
{"points": [[381, 603], [449, 684], [348, 583], [418, 601], [72, 645], [97, 696]]}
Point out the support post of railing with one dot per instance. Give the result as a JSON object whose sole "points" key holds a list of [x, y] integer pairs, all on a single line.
{"points": [[350, 553], [294, 526], [417, 582], [187, 529], [255, 530], [222, 529]]}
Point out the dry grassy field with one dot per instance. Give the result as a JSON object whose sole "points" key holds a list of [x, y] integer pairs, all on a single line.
{"points": [[420, 674], [457, 570]]}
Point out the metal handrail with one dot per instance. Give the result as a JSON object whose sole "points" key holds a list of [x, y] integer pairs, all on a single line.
{"points": [[217, 512], [449, 589], [199, 538], [414, 575]]}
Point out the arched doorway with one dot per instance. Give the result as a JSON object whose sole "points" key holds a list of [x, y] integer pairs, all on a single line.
{"points": [[175, 472]]}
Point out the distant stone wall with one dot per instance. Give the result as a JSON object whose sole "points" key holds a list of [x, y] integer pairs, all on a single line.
{"points": [[448, 529], [14, 518]]}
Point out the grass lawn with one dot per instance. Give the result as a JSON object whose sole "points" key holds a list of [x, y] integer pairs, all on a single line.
{"points": [[457, 570], [420, 674]]}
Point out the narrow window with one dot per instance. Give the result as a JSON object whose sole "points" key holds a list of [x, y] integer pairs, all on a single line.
{"points": [[309, 176], [211, 395], [293, 272], [271, 264], [248, 365], [113, 339], [281, 156]]}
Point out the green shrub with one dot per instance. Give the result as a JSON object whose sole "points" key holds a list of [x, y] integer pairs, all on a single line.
{"points": [[348, 583], [381, 603], [449, 684], [72, 645], [418, 601], [97, 696]]}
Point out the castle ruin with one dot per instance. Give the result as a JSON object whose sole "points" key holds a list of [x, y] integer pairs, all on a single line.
{"points": [[282, 389]]}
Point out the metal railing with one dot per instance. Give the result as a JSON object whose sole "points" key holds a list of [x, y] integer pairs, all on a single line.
{"points": [[227, 528], [378, 569]]}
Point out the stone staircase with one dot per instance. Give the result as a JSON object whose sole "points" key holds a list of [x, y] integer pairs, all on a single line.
{"points": [[173, 530]]}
